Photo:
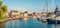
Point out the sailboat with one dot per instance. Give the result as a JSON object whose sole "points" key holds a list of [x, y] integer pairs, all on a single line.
{"points": [[56, 18]]}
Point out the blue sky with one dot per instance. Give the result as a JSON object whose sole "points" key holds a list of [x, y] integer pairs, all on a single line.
{"points": [[30, 5]]}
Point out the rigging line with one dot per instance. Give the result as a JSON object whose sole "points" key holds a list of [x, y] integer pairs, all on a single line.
{"points": [[53, 5]]}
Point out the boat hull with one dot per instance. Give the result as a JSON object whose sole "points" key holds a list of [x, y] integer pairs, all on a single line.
{"points": [[50, 21]]}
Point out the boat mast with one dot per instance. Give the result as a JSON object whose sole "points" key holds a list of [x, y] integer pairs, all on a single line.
{"points": [[46, 7], [55, 12], [53, 4]]}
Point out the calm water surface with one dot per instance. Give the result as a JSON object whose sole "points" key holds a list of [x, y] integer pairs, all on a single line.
{"points": [[29, 23]]}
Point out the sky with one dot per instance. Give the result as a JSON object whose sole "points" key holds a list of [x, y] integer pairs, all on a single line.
{"points": [[31, 5]]}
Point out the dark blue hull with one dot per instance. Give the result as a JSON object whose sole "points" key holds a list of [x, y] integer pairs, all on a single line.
{"points": [[50, 21]]}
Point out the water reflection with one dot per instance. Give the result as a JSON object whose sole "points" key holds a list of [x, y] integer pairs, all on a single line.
{"points": [[53, 25], [8, 24], [29, 23], [50, 26], [14, 23], [1, 25]]}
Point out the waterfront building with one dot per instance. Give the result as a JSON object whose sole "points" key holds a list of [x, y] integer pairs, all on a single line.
{"points": [[15, 14], [30, 15], [25, 14], [39, 15], [34, 15], [6, 15], [21, 14]]}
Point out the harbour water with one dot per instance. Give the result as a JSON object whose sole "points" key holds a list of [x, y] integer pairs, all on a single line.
{"points": [[29, 23]]}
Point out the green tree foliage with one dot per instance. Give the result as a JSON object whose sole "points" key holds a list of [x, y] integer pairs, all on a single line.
{"points": [[1, 13], [0, 3], [4, 8]]}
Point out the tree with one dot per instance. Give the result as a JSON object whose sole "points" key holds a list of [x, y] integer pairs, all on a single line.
{"points": [[4, 8], [0, 3], [1, 14]]}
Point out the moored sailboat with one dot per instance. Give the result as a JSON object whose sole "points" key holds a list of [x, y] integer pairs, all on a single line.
{"points": [[56, 19]]}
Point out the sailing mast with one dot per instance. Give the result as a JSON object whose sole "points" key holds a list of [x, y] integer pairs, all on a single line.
{"points": [[53, 4], [45, 13], [47, 6]]}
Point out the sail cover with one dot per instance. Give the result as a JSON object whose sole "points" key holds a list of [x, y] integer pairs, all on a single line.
{"points": [[56, 10]]}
